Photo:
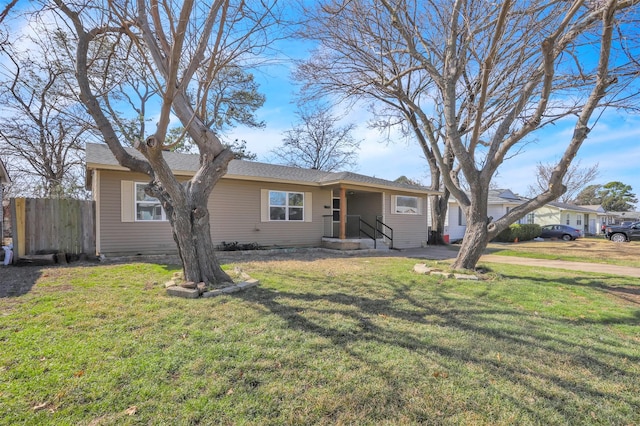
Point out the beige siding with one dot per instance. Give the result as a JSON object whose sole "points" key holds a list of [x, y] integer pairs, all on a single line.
{"points": [[408, 230], [118, 237], [235, 211], [237, 214], [367, 205]]}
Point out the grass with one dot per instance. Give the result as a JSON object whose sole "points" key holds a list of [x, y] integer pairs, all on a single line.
{"points": [[322, 341], [593, 250]]}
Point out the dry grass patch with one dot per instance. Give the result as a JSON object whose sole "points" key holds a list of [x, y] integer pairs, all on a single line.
{"points": [[596, 250]]}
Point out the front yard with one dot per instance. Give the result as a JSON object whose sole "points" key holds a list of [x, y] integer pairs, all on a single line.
{"points": [[591, 249], [357, 340]]}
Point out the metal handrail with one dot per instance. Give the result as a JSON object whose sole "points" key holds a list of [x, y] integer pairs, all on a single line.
{"points": [[384, 225], [376, 231]]}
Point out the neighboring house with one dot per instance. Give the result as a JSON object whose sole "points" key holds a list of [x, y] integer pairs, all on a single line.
{"points": [[619, 217], [587, 219], [500, 202], [4, 180], [272, 205]]}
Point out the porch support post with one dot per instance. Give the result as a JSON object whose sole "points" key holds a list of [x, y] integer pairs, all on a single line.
{"points": [[343, 213]]}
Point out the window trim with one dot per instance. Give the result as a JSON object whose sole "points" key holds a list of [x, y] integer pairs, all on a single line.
{"points": [[265, 204], [136, 202], [418, 205], [286, 206]]}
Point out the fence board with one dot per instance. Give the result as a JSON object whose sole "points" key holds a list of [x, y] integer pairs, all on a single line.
{"points": [[57, 225]]}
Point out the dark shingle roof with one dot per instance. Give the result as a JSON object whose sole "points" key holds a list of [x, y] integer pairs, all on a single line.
{"points": [[100, 157], [572, 207]]}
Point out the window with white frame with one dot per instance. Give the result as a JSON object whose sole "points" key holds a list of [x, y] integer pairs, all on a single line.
{"points": [[530, 218], [285, 205], [147, 208], [568, 222], [407, 205], [579, 220]]}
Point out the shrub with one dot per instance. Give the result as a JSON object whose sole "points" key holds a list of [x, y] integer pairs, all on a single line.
{"points": [[236, 246], [521, 232]]}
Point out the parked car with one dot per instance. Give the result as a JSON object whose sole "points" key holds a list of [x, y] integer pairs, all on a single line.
{"points": [[564, 232], [620, 234]]}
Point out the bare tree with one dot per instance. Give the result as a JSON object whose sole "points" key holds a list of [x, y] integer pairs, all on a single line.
{"points": [[575, 179], [475, 79], [318, 142], [182, 46], [5, 12], [42, 130]]}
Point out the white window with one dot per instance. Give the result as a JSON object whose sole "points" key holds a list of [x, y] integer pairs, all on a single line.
{"points": [[407, 205], [579, 220], [147, 208], [286, 206], [531, 218], [568, 222]]}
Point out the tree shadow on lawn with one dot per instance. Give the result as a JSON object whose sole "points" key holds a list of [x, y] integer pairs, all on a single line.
{"points": [[532, 351], [16, 281]]}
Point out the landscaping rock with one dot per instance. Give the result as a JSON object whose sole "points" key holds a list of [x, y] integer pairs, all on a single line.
{"points": [[465, 277], [252, 282], [231, 289], [188, 284], [212, 293], [201, 287], [186, 293], [169, 284], [422, 268]]}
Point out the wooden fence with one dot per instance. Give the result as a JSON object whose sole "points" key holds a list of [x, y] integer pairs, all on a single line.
{"points": [[52, 225]]}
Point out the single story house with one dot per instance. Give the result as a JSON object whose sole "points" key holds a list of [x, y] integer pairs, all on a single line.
{"points": [[4, 180], [267, 204], [588, 219], [500, 201]]}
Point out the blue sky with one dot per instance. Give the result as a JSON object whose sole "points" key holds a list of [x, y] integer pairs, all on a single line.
{"points": [[613, 143]]}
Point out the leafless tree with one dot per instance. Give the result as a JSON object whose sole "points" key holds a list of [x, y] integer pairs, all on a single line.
{"points": [[574, 180], [42, 130], [485, 76], [182, 46], [318, 142], [5, 12]]}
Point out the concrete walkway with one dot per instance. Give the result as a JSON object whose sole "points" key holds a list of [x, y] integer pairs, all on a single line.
{"points": [[446, 252]]}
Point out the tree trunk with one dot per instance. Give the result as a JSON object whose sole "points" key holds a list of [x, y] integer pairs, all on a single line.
{"points": [[473, 245], [438, 217], [191, 231]]}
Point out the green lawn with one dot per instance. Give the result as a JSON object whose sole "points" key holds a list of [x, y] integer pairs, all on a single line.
{"points": [[334, 341]]}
